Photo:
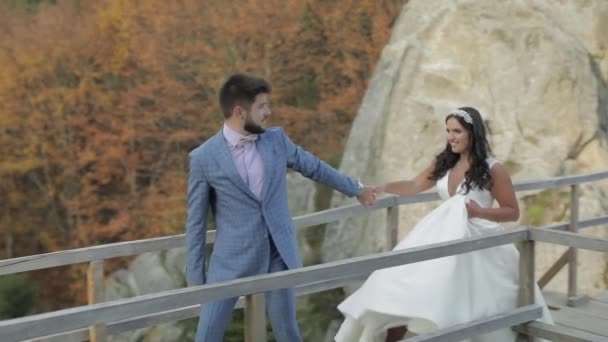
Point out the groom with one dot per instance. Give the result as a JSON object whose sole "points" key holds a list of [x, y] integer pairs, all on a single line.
{"points": [[239, 174]]}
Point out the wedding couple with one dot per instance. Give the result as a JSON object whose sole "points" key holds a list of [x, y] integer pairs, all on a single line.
{"points": [[239, 175]]}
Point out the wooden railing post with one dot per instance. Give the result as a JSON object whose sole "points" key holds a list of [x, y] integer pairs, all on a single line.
{"points": [[392, 227], [573, 253], [95, 294], [255, 318], [526, 277]]}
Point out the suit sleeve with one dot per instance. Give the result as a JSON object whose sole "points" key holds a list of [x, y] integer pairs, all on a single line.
{"points": [[196, 224], [312, 167]]}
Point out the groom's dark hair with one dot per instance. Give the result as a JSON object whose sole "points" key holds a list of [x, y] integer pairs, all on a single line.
{"points": [[241, 90]]}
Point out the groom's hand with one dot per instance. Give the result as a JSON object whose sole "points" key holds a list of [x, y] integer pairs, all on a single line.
{"points": [[367, 197]]}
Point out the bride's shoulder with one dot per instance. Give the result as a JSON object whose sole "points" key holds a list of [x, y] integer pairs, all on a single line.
{"points": [[491, 161], [497, 169]]}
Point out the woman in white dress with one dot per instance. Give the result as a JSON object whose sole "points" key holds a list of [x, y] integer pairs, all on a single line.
{"points": [[439, 293]]}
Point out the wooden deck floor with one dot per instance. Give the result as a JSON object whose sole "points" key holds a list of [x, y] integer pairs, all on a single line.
{"points": [[591, 315]]}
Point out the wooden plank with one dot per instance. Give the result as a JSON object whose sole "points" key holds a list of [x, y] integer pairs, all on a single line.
{"points": [[582, 224], [135, 323], [179, 314], [555, 299], [588, 223], [482, 326], [594, 306], [194, 310], [255, 318], [69, 336], [336, 214], [95, 282], [573, 252], [581, 320], [601, 297], [350, 210], [558, 333], [127, 248], [559, 182], [569, 239], [577, 300], [88, 254], [392, 227], [74, 318], [589, 305], [526, 277], [526, 273], [420, 198], [330, 284], [593, 222], [580, 302], [554, 269], [95, 294]]}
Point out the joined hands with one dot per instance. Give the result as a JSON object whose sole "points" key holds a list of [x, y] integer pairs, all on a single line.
{"points": [[369, 194], [367, 197]]}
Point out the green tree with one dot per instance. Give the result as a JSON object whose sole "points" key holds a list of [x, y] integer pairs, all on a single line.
{"points": [[17, 295]]}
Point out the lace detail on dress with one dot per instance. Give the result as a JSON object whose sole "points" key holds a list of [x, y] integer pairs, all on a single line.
{"points": [[491, 162]]}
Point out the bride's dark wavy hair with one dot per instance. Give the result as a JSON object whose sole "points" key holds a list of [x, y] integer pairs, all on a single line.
{"points": [[478, 175]]}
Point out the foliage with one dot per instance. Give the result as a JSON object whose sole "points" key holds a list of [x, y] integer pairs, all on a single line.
{"points": [[545, 207], [17, 294], [101, 101]]}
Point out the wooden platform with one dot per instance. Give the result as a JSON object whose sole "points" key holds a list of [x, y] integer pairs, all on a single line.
{"points": [[590, 315]]}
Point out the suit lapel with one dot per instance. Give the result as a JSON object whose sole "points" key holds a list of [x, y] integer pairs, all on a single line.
{"points": [[224, 158]]}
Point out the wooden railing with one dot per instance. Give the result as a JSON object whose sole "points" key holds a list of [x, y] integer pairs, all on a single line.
{"points": [[177, 304]]}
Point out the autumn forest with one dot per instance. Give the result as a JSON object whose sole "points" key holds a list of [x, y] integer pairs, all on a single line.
{"points": [[101, 101]]}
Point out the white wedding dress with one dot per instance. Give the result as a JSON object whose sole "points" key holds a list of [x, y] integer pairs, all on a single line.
{"points": [[440, 293]]}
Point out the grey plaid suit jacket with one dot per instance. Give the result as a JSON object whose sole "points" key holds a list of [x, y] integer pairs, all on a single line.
{"points": [[244, 223]]}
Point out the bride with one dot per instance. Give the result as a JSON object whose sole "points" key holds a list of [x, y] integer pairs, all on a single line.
{"points": [[440, 293]]}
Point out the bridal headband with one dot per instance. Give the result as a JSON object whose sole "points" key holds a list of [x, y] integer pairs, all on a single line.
{"points": [[464, 115]]}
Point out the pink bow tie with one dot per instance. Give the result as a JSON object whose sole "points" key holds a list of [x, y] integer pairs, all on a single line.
{"points": [[247, 138]]}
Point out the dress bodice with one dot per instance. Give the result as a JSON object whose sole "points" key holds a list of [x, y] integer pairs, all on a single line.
{"points": [[483, 197]]}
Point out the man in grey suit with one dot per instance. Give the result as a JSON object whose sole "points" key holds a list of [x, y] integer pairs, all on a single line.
{"points": [[239, 174]]}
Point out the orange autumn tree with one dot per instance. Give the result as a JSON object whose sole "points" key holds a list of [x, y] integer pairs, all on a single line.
{"points": [[100, 102]]}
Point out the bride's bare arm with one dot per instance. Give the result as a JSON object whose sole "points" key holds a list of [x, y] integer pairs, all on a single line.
{"points": [[411, 187], [502, 190]]}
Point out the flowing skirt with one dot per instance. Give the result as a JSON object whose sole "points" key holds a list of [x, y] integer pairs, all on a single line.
{"points": [[439, 293]]}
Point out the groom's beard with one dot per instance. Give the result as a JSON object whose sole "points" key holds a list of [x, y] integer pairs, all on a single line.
{"points": [[253, 127]]}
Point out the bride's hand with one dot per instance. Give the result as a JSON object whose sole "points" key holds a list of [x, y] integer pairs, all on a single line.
{"points": [[472, 208], [380, 189]]}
